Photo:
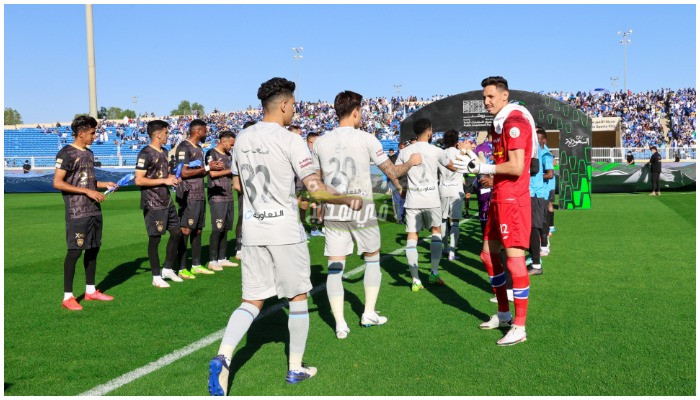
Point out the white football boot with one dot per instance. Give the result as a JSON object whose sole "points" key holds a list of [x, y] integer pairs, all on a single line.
{"points": [[341, 331], [373, 319], [170, 274], [160, 283], [226, 263], [214, 266], [495, 323], [515, 335]]}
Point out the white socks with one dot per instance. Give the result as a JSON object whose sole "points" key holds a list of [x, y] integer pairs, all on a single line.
{"points": [[412, 258], [435, 253], [238, 325], [334, 289], [298, 332], [67, 295], [454, 235], [89, 289], [372, 281]]}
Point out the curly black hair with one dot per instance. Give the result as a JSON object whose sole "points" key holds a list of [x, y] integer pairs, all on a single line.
{"points": [[154, 126], [451, 138], [421, 125], [500, 82], [82, 122], [274, 88]]}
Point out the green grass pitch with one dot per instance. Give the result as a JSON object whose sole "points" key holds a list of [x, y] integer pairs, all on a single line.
{"points": [[613, 313]]}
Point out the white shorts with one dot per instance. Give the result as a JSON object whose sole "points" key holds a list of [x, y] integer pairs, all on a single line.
{"points": [[339, 237], [452, 207], [418, 219], [282, 270]]}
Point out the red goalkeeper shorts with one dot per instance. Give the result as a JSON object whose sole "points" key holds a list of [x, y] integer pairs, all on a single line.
{"points": [[509, 223]]}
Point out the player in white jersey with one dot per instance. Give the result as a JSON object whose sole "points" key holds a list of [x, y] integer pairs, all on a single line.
{"points": [[344, 155], [451, 194], [275, 258], [423, 200]]}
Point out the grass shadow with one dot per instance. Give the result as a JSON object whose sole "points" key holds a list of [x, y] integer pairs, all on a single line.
{"points": [[399, 272], [271, 329], [450, 297], [122, 273], [320, 297]]}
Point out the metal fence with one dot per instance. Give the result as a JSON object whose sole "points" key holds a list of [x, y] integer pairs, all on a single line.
{"points": [[50, 162], [619, 154], [598, 154]]}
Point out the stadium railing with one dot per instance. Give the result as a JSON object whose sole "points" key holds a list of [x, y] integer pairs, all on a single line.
{"points": [[619, 154], [598, 154], [50, 162]]}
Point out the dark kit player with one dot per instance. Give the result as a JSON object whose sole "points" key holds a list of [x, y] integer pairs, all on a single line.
{"points": [[75, 178], [220, 194], [153, 176], [190, 197]]}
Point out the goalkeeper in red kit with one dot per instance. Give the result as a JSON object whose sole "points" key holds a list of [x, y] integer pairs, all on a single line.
{"points": [[509, 216]]}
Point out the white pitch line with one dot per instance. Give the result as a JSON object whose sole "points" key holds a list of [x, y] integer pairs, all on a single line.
{"points": [[101, 390], [129, 377]]}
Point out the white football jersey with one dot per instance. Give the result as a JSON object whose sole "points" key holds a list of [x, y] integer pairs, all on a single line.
{"points": [[344, 155], [423, 179], [451, 183], [267, 157]]}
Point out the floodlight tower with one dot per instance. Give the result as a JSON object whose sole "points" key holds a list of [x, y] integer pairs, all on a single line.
{"points": [[613, 81], [135, 100], [92, 86], [297, 57], [624, 42]]}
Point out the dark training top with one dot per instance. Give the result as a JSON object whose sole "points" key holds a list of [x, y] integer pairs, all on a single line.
{"points": [[655, 162], [155, 163], [186, 153], [80, 171], [221, 188]]}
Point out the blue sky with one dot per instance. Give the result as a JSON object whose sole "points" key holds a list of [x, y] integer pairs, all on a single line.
{"points": [[218, 55]]}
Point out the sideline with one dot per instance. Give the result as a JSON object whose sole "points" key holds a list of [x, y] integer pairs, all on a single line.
{"points": [[168, 359]]}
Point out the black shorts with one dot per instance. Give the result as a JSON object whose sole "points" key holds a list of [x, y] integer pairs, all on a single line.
{"points": [[160, 221], [84, 233], [551, 196], [221, 215], [192, 214], [539, 212]]}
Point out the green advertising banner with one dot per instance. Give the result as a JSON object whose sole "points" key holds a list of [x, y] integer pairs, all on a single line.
{"points": [[620, 177]]}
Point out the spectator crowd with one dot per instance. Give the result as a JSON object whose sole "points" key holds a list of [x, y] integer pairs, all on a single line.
{"points": [[643, 114], [662, 118]]}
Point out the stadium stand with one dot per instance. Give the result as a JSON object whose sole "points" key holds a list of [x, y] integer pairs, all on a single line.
{"points": [[644, 117]]}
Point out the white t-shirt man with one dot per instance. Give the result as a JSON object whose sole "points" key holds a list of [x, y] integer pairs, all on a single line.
{"points": [[267, 157], [344, 155], [423, 179], [451, 189], [451, 183], [423, 207]]}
